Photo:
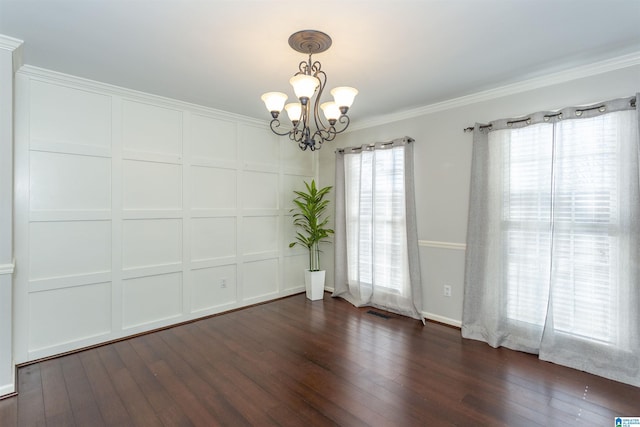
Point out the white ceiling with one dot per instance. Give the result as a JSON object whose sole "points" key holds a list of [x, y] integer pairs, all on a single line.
{"points": [[400, 54]]}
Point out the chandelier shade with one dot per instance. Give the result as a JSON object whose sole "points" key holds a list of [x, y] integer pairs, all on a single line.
{"points": [[344, 96], [331, 110], [274, 101], [308, 129], [294, 110], [303, 85]]}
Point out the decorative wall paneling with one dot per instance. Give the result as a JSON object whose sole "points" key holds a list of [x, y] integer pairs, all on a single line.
{"points": [[134, 212], [10, 59]]}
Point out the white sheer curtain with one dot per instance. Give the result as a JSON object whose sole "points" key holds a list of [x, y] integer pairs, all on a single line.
{"points": [[553, 241], [376, 238]]}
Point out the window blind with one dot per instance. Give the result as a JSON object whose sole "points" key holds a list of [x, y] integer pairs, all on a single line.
{"points": [[553, 244], [560, 208], [376, 225]]}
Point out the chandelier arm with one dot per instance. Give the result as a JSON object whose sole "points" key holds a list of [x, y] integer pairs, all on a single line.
{"points": [[344, 119], [322, 77], [303, 66], [327, 134], [274, 124], [316, 67], [295, 135]]}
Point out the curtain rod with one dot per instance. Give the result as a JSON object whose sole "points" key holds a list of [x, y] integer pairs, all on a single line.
{"points": [[632, 104], [406, 139]]}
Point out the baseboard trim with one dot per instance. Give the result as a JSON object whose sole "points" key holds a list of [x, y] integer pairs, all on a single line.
{"points": [[151, 331], [8, 390], [442, 319]]}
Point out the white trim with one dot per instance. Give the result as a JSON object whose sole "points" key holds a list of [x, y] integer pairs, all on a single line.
{"points": [[9, 43], [442, 319], [7, 389], [15, 47], [442, 245], [112, 90], [592, 69], [7, 268]]}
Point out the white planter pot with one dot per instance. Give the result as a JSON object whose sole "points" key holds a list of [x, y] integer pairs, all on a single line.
{"points": [[314, 283]]}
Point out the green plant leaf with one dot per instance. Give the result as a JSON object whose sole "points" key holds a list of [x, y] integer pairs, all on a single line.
{"points": [[311, 219]]}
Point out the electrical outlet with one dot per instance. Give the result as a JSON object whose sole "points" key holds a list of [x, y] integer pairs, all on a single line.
{"points": [[447, 290], [223, 283]]}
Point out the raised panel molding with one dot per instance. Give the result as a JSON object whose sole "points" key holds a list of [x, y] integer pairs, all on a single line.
{"points": [[69, 115], [166, 290], [69, 148], [58, 249], [151, 186], [149, 128], [213, 188], [213, 238], [260, 190], [213, 287], [152, 212], [61, 316], [151, 242], [51, 283], [260, 234], [259, 150], [69, 182], [294, 267], [261, 279], [213, 140]]}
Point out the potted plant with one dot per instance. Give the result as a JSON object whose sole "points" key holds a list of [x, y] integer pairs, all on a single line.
{"points": [[311, 220]]}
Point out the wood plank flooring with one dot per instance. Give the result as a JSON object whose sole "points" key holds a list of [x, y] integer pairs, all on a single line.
{"points": [[294, 362]]}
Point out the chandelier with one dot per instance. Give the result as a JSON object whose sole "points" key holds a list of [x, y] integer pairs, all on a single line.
{"points": [[310, 80]]}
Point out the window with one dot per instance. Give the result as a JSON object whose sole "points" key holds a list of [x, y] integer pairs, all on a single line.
{"points": [[375, 212], [527, 214], [553, 244], [560, 207]]}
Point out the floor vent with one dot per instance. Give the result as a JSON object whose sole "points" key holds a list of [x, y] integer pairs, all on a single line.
{"points": [[377, 313]]}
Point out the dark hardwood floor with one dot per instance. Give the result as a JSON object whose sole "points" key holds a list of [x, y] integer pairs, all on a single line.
{"points": [[294, 362]]}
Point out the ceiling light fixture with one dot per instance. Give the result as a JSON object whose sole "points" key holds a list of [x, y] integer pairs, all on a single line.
{"points": [[306, 82]]}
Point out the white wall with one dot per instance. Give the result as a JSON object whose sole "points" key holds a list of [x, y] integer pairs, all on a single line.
{"points": [[134, 212], [443, 161], [10, 57]]}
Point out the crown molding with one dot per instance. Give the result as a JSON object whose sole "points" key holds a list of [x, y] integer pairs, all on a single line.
{"points": [[15, 47], [9, 43], [95, 86], [575, 73]]}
